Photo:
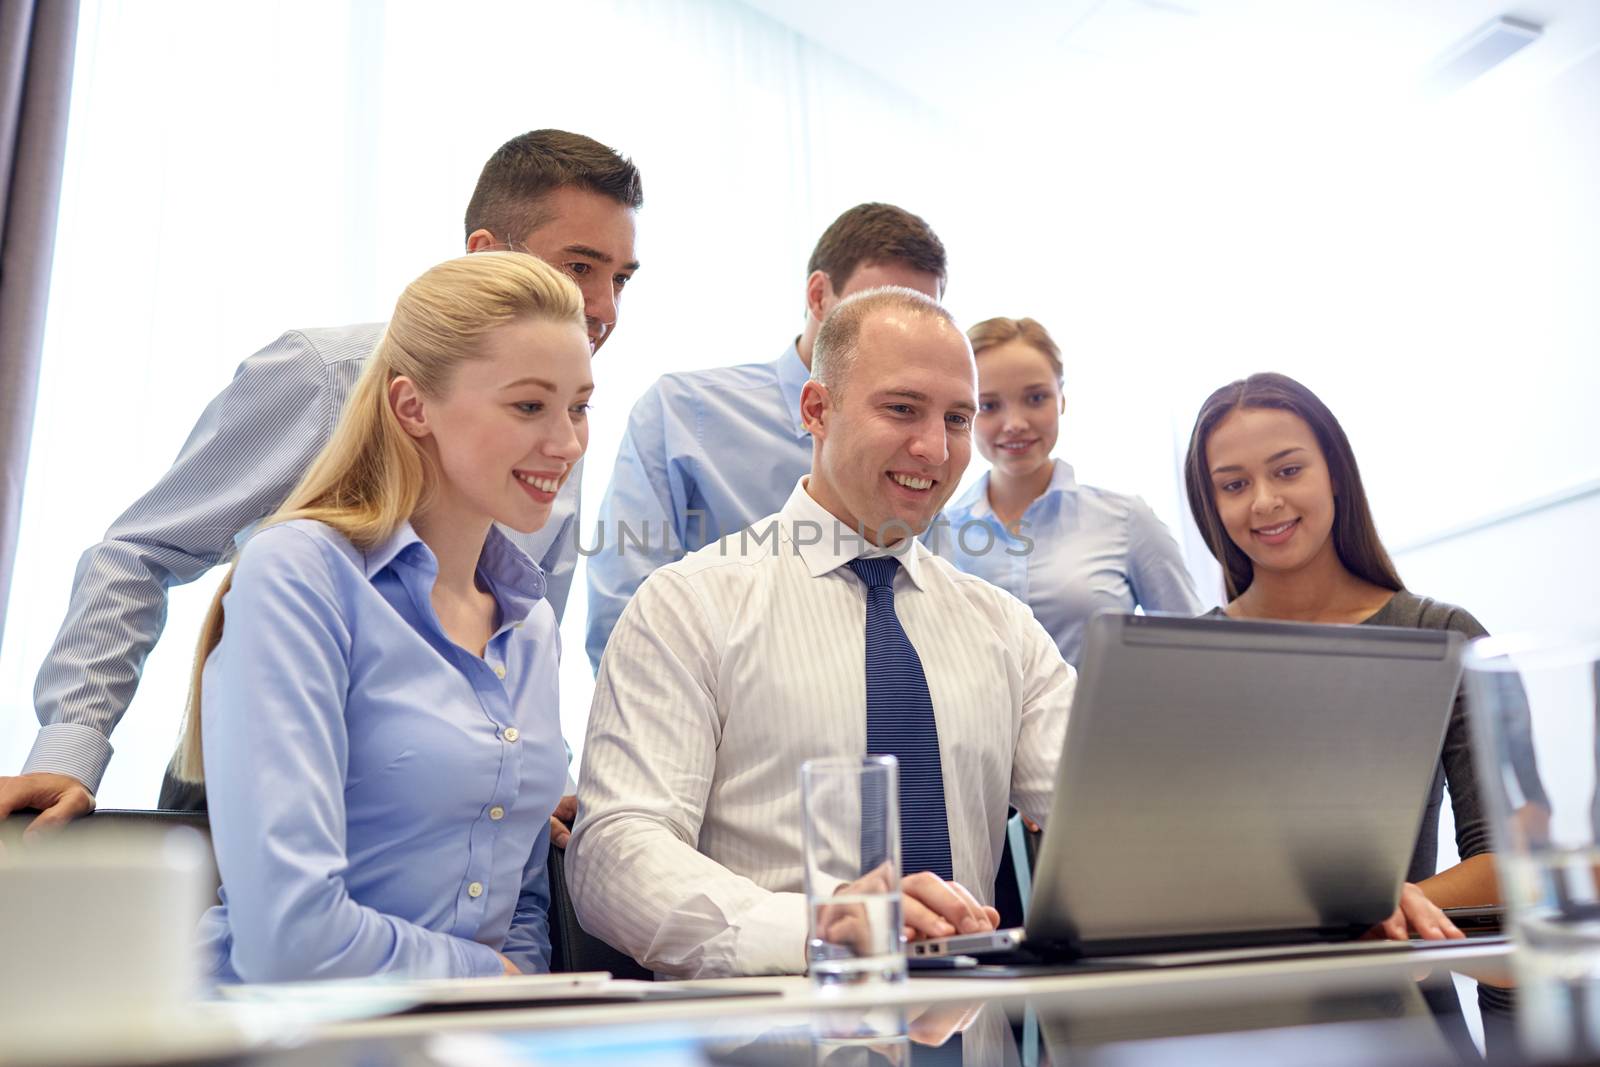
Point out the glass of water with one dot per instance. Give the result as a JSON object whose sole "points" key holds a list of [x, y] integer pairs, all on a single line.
{"points": [[1536, 726], [852, 858]]}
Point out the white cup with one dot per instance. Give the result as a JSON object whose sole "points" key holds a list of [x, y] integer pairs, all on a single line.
{"points": [[97, 942]]}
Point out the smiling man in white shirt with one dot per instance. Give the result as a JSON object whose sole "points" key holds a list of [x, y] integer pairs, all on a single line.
{"points": [[827, 629]]}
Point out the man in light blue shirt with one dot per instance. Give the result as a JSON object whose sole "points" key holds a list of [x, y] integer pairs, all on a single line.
{"points": [[708, 452], [561, 196]]}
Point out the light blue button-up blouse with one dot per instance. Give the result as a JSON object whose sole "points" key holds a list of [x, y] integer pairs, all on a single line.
{"points": [[1090, 549], [380, 797]]}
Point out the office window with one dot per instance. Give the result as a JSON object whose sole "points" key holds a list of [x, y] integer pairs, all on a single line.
{"points": [[1235, 191], [237, 170]]}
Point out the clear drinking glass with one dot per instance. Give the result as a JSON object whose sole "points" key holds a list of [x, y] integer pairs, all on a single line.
{"points": [[852, 858], [1535, 704]]}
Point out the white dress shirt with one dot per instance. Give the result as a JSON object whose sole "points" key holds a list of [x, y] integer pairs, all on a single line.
{"points": [[731, 667]]}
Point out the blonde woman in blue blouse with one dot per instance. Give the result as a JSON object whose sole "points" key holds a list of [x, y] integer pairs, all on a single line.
{"points": [[376, 680], [1064, 549]]}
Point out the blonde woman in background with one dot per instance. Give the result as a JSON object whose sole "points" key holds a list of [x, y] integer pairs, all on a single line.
{"points": [[376, 680], [1064, 549]]}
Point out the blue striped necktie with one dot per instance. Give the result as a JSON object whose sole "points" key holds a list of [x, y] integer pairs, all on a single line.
{"points": [[900, 723]]}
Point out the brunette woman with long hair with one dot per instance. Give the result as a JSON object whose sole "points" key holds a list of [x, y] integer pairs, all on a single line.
{"points": [[1277, 495]]}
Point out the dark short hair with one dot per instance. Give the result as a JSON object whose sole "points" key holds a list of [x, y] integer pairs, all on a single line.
{"points": [[1355, 536], [876, 232], [507, 199]]}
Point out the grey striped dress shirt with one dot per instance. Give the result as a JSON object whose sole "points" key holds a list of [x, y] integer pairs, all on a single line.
{"points": [[249, 449], [731, 667]]}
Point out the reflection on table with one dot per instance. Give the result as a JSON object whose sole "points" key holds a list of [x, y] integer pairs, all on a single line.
{"points": [[1424, 1014]]}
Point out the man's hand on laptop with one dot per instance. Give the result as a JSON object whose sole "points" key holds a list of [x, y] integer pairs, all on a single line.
{"points": [[1419, 914], [59, 798], [937, 908], [931, 907]]}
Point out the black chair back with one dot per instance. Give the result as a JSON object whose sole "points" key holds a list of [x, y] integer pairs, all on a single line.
{"points": [[571, 947]]}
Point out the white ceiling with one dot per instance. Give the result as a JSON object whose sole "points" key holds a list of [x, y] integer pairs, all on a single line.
{"points": [[966, 57]]}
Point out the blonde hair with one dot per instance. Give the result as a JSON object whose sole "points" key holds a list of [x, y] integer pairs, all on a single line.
{"points": [[372, 476], [999, 331]]}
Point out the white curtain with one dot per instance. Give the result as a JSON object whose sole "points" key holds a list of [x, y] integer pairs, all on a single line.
{"points": [[236, 170]]}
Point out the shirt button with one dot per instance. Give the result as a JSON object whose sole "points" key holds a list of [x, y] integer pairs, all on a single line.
{"points": [[497, 813], [511, 734], [475, 890], [499, 670]]}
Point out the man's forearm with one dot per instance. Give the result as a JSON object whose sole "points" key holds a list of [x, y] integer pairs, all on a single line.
{"points": [[88, 679], [1469, 883], [678, 911]]}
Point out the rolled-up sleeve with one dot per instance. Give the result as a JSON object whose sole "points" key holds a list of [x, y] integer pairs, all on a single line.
{"points": [[637, 878]]}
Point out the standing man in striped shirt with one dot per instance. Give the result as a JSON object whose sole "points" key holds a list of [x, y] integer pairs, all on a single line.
{"points": [[827, 629], [562, 196]]}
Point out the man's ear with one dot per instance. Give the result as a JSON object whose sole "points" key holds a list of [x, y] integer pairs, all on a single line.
{"points": [[409, 407], [818, 288], [814, 406], [482, 241]]}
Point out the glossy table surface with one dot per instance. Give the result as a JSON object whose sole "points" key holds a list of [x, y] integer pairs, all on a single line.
{"points": [[1426, 1006]]}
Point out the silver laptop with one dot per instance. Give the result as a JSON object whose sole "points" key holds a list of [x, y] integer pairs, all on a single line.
{"points": [[1236, 783]]}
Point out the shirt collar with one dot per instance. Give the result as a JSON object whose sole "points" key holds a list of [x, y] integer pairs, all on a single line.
{"points": [[1063, 480], [829, 544], [513, 579], [975, 501], [386, 551], [792, 377], [517, 581]]}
